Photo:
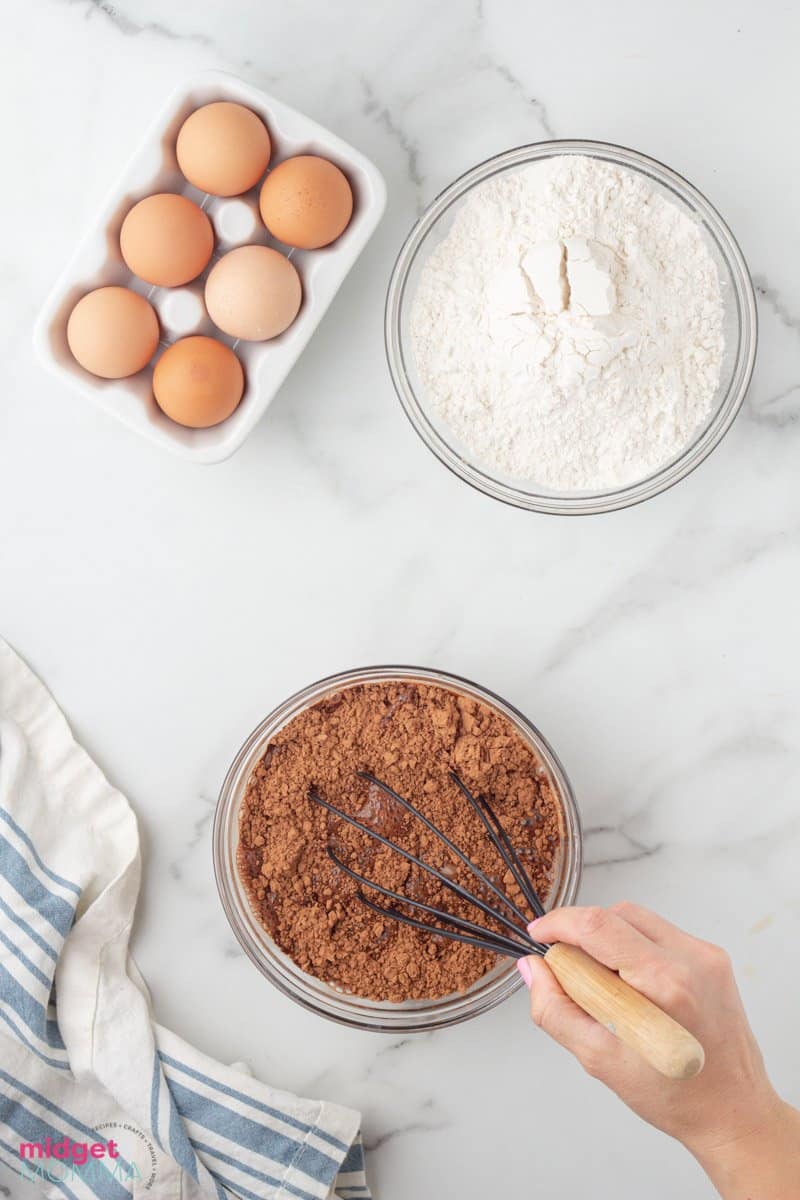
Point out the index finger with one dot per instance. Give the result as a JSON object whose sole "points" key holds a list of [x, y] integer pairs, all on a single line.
{"points": [[601, 933], [613, 941]]}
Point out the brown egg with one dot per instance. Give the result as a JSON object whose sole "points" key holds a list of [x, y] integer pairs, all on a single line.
{"points": [[166, 239], [198, 382], [113, 332], [253, 292], [306, 202], [223, 148]]}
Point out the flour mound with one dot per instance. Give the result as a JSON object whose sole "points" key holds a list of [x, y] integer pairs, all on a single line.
{"points": [[569, 328]]}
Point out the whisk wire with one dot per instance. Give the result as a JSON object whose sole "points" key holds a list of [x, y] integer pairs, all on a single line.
{"points": [[454, 887], [482, 943], [502, 843], [500, 943], [415, 812], [449, 925]]}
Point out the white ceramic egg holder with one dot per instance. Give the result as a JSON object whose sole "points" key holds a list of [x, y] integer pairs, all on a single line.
{"points": [[97, 262]]}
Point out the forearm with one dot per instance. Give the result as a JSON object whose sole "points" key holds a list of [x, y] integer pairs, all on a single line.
{"points": [[764, 1165]]}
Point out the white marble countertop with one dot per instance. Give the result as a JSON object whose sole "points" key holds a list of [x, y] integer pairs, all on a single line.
{"points": [[169, 606]]}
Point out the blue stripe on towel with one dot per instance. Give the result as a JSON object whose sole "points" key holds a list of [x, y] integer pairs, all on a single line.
{"points": [[179, 1145], [313, 1162], [38, 1098], [6, 816], [29, 1009], [53, 1108], [303, 1126], [155, 1087], [33, 1129], [11, 1166], [204, 1148], [15, 1159], [53, 908], [259, 1139], [26, 928], [238, 1190], [54, 1037], [51, 1062], [354, 1160], [26, 962]]}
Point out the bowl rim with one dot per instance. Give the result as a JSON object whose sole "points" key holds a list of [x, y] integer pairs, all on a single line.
{"points": [[710, 434], [277, 967]]}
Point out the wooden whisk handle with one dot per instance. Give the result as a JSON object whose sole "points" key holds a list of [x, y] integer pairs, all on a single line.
{"points": [[634, 1019]]}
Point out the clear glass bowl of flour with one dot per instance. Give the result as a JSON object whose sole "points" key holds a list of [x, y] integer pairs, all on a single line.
{"points": [[738, 327]]}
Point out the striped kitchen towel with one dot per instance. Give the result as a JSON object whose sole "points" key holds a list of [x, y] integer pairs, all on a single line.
{"points": [[96, 1099]]}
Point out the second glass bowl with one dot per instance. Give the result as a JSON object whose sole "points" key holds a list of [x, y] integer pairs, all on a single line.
{"points": [[412, 1015], [739, 327]]}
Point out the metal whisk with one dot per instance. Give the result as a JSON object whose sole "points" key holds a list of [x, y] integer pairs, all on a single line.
{"points": [[601, 992]]}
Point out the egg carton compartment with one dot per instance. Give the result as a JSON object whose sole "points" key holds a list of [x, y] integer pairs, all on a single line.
{"points": [[236, 220], [97, 262]]}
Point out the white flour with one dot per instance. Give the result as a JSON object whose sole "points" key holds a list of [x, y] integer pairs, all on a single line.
{"points": [[569, 328]]}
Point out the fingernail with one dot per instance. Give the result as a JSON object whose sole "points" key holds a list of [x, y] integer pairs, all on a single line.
{"points": [[524, 968], [533, 924]]}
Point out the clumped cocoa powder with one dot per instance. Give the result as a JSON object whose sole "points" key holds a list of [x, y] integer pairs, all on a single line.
{"points": [[410, 736]]}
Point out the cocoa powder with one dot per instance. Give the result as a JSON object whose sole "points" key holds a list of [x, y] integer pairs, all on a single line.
{"points": [[410, 735]]}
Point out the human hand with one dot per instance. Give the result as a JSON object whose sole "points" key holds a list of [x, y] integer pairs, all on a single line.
{"points": [[729, 1115]]}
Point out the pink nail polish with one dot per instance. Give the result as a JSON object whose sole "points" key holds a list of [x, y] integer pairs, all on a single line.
{"points": [[524, 968]]}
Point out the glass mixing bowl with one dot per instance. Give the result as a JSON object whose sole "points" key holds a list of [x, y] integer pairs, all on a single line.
{"points": [[413, 1015], [739, 327]]}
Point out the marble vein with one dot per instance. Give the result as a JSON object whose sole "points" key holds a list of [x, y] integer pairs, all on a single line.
{"points": [[122, 23], [538, 106], [773, 298], [375, 1142], [198, 830], [380, 112], [127, 26], [672, 792], [654, 586], [778, 412], [391, 1051], [627, 848]]}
